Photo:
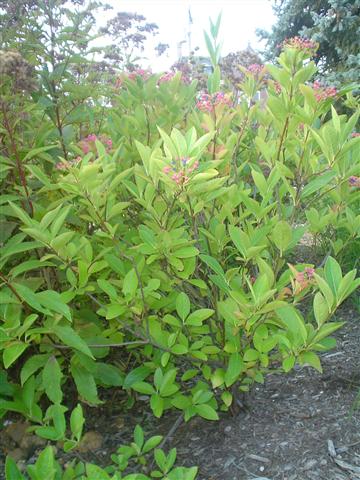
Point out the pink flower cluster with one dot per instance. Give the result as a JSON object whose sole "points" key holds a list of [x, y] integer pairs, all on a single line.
{"points": [[256, 69], [139, 72], [355, 134], [65, 165], [277, 87], [88, 143], [354, 181], [301, 44], [168, 76], [207, 103], [180, 175], [322, 93]]}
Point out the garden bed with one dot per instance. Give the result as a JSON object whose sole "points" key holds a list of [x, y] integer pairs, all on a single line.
{"points": [[290, 432]]}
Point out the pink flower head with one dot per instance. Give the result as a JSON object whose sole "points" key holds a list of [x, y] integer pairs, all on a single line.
{"points": [[354, 181], [91, 138], [301, 44], [62, 166], [139, 72], [118, 82], [166, 77], [277, 87], [309, 272], [355, 134], [85, 148], [322, 93], [256, 69], [167, 169], [207, 103]]}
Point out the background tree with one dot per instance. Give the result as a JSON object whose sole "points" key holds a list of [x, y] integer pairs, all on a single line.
{"points": [[334, 24], [128, 31]]}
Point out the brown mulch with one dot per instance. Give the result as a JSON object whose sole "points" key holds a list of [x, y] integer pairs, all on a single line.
{"points": [[299, 426]]}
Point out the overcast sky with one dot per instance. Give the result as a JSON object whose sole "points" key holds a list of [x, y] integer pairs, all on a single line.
{"points": [[240, 19]]}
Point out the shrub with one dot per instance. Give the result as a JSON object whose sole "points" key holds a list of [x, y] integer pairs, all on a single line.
{"points": [[156, 259]]}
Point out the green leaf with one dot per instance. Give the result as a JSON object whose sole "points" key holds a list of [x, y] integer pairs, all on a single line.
{"points": [[213, 264], [135, 376], [196, 318], [157, 405], [94, 472], [44, 467], [333, 274], [236, 236], [293, 320], [186, 252], [235, 367], [21, 214], [53, 301], [206, 411], [182, 305], [321, 310], [143, 387], [50, 433], [12, 352], [109, 375], [131, 283], [152, 443], [85, 383], [317, 184], [11, 470], [288, 363], [251, 355], [52, 376], [30, 298], [32, 364], [70, 338], [311, 359], [139, 436], [168, 386], [282, 235], [27, 266], [326, 291], [77, 421]]}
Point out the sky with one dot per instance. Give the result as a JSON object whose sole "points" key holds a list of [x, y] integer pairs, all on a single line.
{"points": [[240, 19]]}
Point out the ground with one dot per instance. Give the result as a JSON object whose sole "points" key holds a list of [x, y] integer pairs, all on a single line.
{"points": [[299, 426]]}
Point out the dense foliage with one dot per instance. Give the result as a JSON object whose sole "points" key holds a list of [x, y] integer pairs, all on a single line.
{"points": [[149, 235], [334, 24]]}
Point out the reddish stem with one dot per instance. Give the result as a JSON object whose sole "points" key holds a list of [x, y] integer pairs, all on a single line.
{"points": [[17, 158]]}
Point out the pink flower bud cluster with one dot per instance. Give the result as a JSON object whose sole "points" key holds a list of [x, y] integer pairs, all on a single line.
{"points": [[65, 165], [355, 134], [277, 87], [139, 72], [354, 181], [301, 44], [305, 276], [256, 69], [88, 143], [168, 76], [180, 171], [207, 102], [322, 93]]}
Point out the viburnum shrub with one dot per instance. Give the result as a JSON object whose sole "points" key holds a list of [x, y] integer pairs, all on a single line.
{"points": [[159, 259]]}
